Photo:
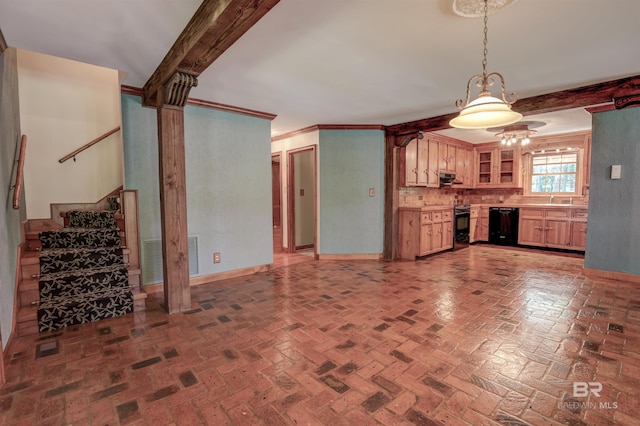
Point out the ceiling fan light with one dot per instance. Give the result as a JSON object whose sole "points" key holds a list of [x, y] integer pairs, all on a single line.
{"points": [[484, 112]]}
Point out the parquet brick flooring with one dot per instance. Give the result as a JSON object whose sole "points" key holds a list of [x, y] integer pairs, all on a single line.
{"points": [[481, 336]]}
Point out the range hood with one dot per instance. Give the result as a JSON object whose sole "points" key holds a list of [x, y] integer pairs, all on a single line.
{"points": [[448, 179]]}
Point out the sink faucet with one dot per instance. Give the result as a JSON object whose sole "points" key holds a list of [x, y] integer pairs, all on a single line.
{"points": [[550, 198]]}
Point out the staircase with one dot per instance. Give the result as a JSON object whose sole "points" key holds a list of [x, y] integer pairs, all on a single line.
{"points": [[76, 274]]}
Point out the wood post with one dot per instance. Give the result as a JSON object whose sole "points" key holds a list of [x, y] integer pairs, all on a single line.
{"points": [[173, 195]]}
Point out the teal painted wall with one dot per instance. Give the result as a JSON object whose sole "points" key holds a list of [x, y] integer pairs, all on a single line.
{"points": [[613, 237], [351, 162], [228, 172], [10, 219]]}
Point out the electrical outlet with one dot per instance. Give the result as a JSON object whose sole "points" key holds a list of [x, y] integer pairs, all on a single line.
{"points": [[372, 192], [216, 257]]}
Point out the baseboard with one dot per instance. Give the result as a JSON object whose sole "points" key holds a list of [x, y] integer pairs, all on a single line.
{"points": [[204, 279], [611, 275], [363, 256]]}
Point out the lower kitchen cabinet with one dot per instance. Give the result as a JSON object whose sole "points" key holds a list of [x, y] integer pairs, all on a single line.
{"points": [[425, 231], [555, 228], [482, 225]]}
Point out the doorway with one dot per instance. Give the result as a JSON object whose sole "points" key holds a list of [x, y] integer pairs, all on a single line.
{"points": [[276, 201], [301, 201]]}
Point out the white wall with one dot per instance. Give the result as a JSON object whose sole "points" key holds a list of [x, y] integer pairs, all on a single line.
{"points": [[63, 105]]}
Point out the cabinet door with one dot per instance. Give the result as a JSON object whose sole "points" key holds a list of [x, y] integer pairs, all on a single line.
{"points": [[530, 231], [411, 163], [426, 232], [557, 233], [483, 227], [443, 157], [461, 167], [437, 237], [484, 168], [422, 163], [473, 229], [447, 235], [507, 168], [579, 235], [433, 177]]}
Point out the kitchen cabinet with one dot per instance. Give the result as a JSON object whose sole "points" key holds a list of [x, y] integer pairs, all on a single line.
{"points": [[563, 228], [482, 227], [579, 229], [447, 157], [498, 168], [473, 223], [425, 231], [419, 163], [464, 166]]}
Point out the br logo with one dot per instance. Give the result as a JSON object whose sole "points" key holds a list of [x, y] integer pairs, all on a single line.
{"points": [[582, 389]]}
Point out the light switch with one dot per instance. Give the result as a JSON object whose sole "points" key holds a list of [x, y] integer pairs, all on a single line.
{"points": [[616, 171], [372, 192]]}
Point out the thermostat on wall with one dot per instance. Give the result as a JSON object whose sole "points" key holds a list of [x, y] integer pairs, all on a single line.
{"points": [[616, 170]]}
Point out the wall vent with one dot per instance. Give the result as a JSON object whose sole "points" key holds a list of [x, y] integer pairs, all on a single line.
{"points": [[152, 260]]}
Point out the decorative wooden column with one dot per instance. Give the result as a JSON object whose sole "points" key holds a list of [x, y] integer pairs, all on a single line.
{"points": [[173, 197]]}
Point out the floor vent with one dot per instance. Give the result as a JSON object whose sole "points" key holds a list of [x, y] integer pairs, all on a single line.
{"points": [[152, 260]]}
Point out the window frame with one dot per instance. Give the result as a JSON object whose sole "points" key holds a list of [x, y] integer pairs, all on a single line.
{"points": [[579, 151]]}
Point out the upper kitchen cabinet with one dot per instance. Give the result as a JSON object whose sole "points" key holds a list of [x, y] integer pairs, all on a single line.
{"points": [[422, 161], [497, 167], [419, 163]]}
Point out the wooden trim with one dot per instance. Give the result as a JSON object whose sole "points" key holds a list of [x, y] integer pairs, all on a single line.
{"points": [[391, 197], [348, 257], [317, 127], [611, 275], [136, 91], [231, 108], [211, 278], [88, 145], [583, 96], [600, 108], [216, 25], [129, 208], [291, 237], [627, 101], [305, 246], [3, 43], [17, 189]]}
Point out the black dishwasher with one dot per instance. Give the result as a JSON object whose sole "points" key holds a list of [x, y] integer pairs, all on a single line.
{"points": [[503, 225]]}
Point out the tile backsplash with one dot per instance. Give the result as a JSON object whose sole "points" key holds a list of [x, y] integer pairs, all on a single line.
{"points": [[419, 197]]}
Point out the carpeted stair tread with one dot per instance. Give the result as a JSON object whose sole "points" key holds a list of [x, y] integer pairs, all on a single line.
{"points": [[69, 259], [80, 237], [91, 219], [82, 273], [78, 282], [84, 309]]}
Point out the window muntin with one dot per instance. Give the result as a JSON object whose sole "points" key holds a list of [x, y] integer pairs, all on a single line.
{"points": [[554, 173]]}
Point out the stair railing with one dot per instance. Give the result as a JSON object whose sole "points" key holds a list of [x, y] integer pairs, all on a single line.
{"points": [[17, 188], [88, 145]]}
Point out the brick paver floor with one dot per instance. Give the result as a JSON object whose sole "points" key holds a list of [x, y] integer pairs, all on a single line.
{"points": [[481, 336]]}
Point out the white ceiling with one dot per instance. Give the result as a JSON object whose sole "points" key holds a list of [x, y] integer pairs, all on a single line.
{"points": [[352, 61]]}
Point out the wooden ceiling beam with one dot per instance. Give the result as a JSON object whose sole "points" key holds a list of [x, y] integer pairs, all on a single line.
{"points": [[584, 96], [215, 26]]}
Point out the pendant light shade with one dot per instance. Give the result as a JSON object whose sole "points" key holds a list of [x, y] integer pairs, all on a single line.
{"points": [[486, 110]]}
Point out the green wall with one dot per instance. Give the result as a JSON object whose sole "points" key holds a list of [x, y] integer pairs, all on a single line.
{"points": [[228, 172], [351, 162], [613, 237], [10, 219]]}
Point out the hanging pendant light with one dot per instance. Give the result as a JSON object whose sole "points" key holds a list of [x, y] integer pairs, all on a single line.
{"points": [[486, 110]]}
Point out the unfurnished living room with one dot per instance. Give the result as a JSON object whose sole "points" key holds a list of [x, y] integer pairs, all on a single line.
{"points": [[283, 212]]}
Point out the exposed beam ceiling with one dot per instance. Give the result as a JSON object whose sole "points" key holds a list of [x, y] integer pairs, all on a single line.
{"points": [[215, 26]]}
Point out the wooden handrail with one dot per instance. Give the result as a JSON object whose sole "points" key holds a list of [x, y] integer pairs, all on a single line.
{"points": [[88, 145], [17, 188]]}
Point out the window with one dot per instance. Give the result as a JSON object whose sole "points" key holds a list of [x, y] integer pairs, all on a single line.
{"points": [[554, 173]]}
